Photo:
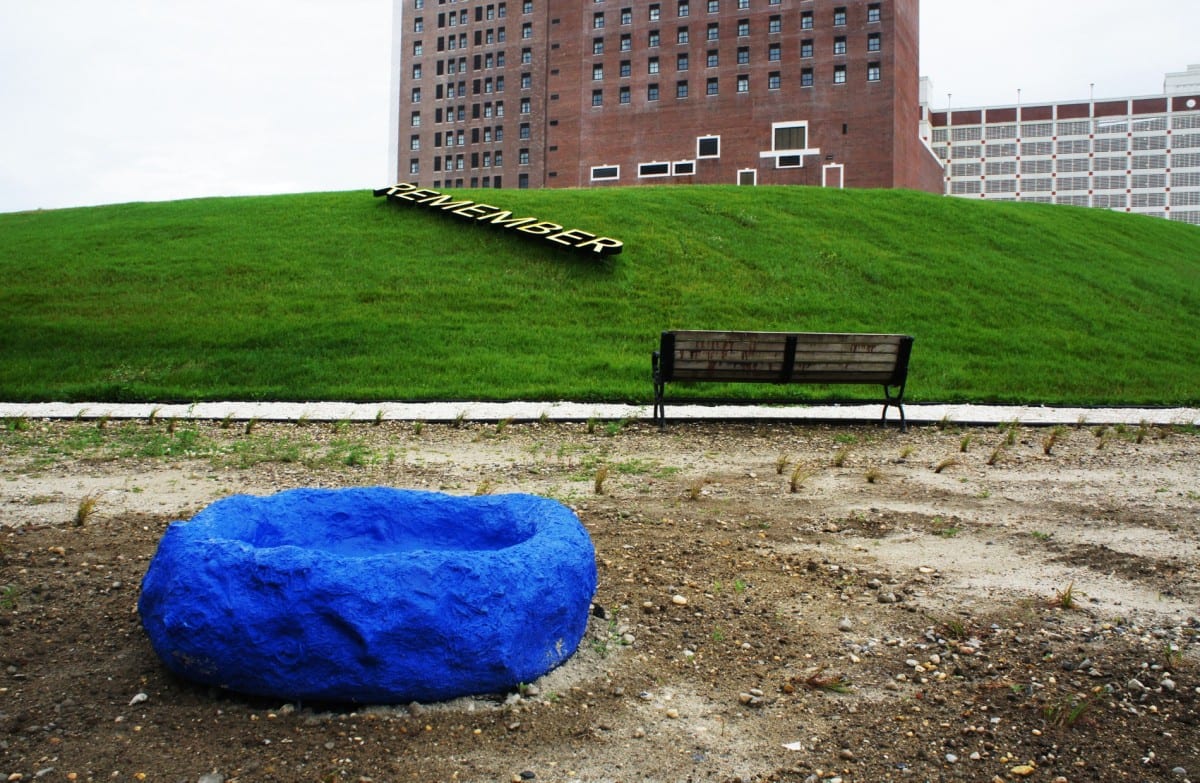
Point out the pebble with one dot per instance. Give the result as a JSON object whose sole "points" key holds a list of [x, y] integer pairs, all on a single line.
{"points": [[1022, 770], [887, 598], [845, 624], [951, 758], [1180, 771], [679, 600], [1167, 684], [672, 713], [211, 777], [639, 732]]}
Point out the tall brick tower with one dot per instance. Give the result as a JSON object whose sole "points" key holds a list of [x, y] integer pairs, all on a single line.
{"points": [[581, 93]]}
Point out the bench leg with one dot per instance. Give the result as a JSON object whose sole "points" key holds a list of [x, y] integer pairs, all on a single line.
{"points": [[897, 402], [660, 414]]}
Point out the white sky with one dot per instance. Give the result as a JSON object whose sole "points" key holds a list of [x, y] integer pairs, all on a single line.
{"points": [[107, 101]]}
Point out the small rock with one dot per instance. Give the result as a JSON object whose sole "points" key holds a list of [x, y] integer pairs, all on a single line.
{"points": [[528, 775], [639, 732], [672, 713], [845, 754], [679, 600], [887, 598], [211, 777], [1179, 771], [138, 699], [951, 758], [1135, 685], [1023, 770], [845, 624], [1167, 684]]}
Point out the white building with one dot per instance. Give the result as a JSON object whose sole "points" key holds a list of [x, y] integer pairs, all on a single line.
{"points": [[1138, 154]]}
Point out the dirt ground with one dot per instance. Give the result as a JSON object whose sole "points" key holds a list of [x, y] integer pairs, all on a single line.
{"points": [[777, 602]]}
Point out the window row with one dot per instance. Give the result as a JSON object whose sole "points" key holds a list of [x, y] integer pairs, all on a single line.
{"points": [[712, 59], [683, 8], [482, 13]]}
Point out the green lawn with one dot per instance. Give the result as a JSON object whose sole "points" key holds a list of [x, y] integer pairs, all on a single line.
{"points": [[344, 296]]}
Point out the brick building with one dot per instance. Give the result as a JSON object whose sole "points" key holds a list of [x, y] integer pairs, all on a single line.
{"points": [[572, 93], [1138, 154]]}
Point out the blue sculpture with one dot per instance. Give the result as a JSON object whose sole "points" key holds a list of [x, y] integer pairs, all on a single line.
{"points": [[372, 595]]}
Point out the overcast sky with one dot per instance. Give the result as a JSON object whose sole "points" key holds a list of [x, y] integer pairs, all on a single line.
{"points": [[107, 101]]}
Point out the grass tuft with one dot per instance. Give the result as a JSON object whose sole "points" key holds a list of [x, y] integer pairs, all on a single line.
{"points": [[85, 509]]}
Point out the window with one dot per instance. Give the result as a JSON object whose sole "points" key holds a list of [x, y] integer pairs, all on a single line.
{"points": [[789, 136], [597, 73], [416, 71], [415, 119], [523, 157], [743, 83], [774, 53], [774, 24], [652, 65], [711, 87], [655, 12], [626, 16], [527, 54], [806, 20], [873, 72], [683, 9], [681, 62], [597, 97], [652, 92], [499, 133], [714, 31], [839, 45], [806, 48], [874, 42], [527, 7], [625, 68], [747, 177], [526, 30], [773, 80], [523, 131], [839, 74], [708, 147], [525, 108], [419, 25], [606, 172], [652, 39], [743, 27], [839, 17], [598, 20], [414, 142], [654, 169], [743, 4], [418, 4], [681, 89], [714, 6], [873, 12], [682, 35], [416, 95], [711, 59], [414, 166], [418, 49], [623, 95], [526, 81], [626, 43], [806, 77], [683, 167], [743, 55]]}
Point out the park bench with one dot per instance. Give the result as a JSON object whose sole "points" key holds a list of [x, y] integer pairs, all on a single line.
{"points": [[782, 358]]}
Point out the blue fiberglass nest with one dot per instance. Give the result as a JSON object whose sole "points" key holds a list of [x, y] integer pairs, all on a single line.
{"points": [[371, 595]]}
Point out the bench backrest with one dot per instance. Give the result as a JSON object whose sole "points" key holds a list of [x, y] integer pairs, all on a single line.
{"points": [[784, 357]]}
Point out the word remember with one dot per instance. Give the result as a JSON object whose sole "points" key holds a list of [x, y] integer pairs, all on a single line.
{"points": [[501, 218]]}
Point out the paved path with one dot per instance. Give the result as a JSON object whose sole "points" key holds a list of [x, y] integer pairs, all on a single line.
{"points": [[580, 411]]}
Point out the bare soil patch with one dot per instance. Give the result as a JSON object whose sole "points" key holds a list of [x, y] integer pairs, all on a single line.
{"points": [[776, 603]]}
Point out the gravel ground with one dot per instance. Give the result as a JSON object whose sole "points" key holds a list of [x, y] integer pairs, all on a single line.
{"points": [[776, 602]]}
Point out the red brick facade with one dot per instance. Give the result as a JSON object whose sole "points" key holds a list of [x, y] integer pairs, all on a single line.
{"points": [[580, 93]]}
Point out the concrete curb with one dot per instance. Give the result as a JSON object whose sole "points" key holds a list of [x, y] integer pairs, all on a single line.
{"points": [[580, 411]]}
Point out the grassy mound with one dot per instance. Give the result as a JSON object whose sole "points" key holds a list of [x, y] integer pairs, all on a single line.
{"points": [[344, 296]]}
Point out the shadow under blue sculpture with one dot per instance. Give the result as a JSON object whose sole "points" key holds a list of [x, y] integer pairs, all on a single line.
{"points": [[370, 595]]}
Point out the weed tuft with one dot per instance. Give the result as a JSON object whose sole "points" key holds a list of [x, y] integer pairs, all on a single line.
{"points": [[85, 509], [948, 462], [599, 479], [799, 476], [781, 462]]}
